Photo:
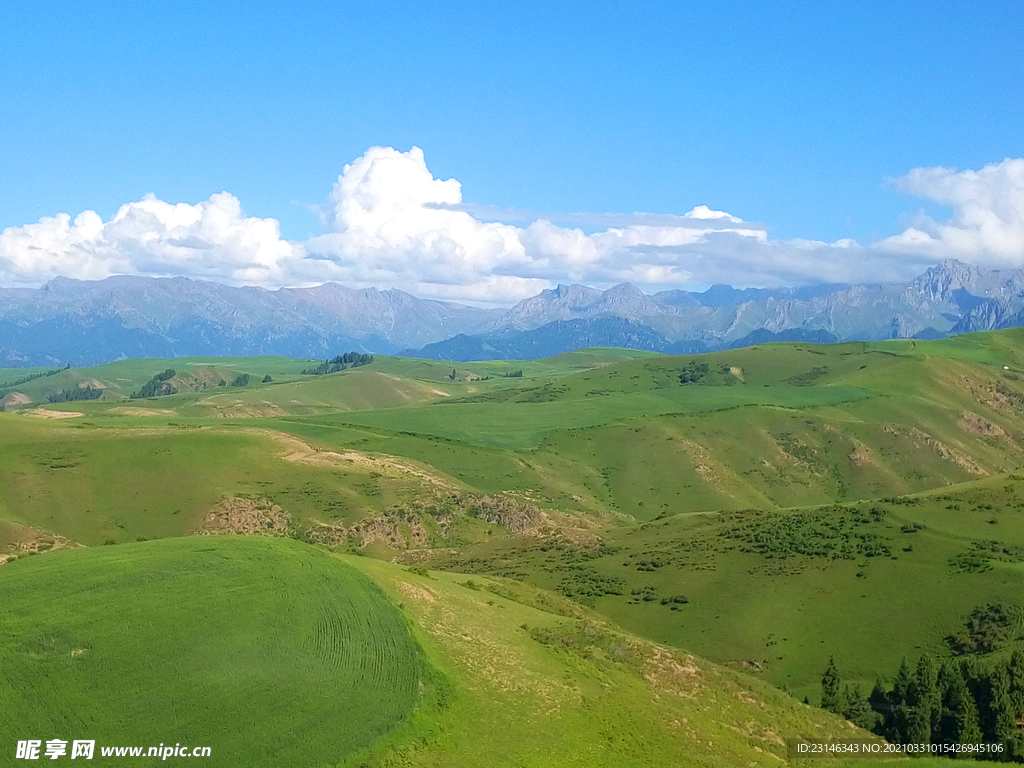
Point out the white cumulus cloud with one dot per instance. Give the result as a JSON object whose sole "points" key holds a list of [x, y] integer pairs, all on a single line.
{"points": [[390, 228], [212, 240], [393, 223], [987, 226], [390, 223]]}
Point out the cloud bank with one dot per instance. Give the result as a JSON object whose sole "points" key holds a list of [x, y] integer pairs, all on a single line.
{"points": [[212, 240], [987, 226], [389, 223]]}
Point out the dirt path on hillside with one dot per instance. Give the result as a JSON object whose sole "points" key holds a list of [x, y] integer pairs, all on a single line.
{"points": [[302, 453], [132, 410]]}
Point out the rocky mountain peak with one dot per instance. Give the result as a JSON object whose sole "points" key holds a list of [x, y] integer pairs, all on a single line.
{"points": [[627, 300], [939, 282], [574, 294], [89, 321]]}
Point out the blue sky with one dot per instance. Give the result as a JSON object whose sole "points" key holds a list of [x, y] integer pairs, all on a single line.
{"points": [[796, 116]]}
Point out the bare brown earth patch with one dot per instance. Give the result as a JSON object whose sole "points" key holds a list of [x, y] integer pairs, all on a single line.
{"points": [[972, 422], [33, 542], [944, 451], [46, 413], [861, 456], [575, 529], [132, 410], [250, 517], [415, 529], [702, 463], [398, 529], [672, 672], [15, 398], [994, 394], [432, 390], [416, 592], [948, 453], [240, 409], [518, 516]]}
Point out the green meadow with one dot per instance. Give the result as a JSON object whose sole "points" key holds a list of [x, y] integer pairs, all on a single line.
{"points": [[763, 508], [270, 652], [778, 593]]}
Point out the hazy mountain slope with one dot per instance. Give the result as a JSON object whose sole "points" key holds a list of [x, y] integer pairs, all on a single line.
{"points": [[71, 321], [938, 299], [82, 323], [548, 340]]}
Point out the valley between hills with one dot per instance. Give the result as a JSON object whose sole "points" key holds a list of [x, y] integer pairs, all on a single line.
{"points": [[606, 557]]}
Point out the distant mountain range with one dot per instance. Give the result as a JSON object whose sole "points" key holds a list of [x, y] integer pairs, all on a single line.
{"points": [[85, 323]]}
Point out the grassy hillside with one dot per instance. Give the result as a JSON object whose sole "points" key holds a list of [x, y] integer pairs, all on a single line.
{"points": [[208, 382], [270, 652], [778, 425], [538, 681], [765, 507], [95, 483], [781, 592], [276, 653], [122, 378]]}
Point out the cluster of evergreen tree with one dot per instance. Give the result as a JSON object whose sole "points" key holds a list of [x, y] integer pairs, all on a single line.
{"points": [[78, 393], [6, 387], [339, 363], [514, 374], [32, 377], [961, 701], [158, 385], [693, 372], [988, 628], [241, 380]]}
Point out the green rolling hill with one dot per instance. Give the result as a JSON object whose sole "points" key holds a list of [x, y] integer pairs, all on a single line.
{"points": [[765, 508], [276, 653], [270, 652]]}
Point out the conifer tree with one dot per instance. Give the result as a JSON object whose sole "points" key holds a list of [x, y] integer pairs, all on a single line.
{"points": [[925, 699], [878, 698], [966, 730], [901, 685], [998, 721], [830, 694], [897, 724], [951, 689], [919, 726], [1015, 671], [857, 709]]}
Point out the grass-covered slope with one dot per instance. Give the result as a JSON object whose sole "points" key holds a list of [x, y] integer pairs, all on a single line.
{"points": [[237, 387], [271, 652], [750, 506], [276, 653], [97, 482], [771, 426], [535, 681]]}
